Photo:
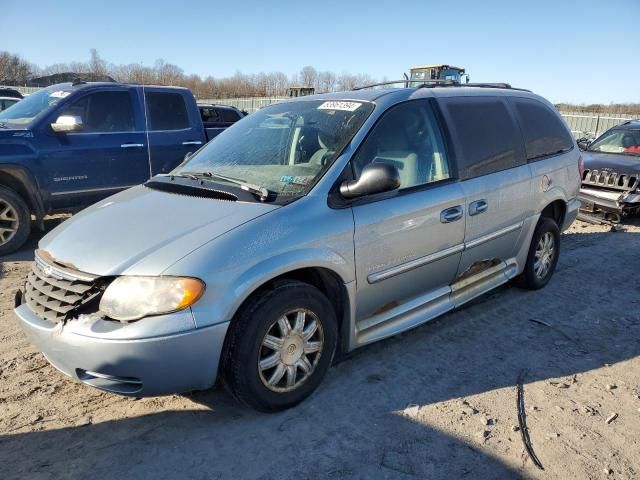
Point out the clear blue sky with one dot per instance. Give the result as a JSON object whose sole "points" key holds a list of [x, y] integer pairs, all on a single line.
{"points": [[567, 50]]}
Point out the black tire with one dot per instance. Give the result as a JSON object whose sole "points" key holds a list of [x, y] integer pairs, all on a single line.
{"points": [[244, 348], [23, 217], [529, 278]]}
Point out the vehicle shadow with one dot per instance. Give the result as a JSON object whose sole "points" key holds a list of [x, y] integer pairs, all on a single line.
{"points": [[354, 425]]}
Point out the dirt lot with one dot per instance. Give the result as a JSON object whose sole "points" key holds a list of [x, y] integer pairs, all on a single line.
{"points": [[436, 402]]}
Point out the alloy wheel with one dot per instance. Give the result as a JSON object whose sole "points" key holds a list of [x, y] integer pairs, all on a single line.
{"points": [[545, 251], [290, 350], [9, 221]]}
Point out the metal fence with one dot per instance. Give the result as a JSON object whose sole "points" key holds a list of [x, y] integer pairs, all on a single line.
{"points": [[593, 123], [249, 104]]}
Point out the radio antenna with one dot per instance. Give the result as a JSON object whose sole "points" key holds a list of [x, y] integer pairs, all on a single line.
{"points": [[146, 124]]}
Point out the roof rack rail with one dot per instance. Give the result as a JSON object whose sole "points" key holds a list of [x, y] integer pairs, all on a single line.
{"points": [[422, 82], [443, 83]]}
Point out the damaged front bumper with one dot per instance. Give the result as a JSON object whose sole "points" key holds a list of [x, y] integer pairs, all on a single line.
{"points": [[624, 203], [153, 356]]}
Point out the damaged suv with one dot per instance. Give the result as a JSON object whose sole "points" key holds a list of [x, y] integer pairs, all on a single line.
{"points": [[611, 179], [310, 228]]}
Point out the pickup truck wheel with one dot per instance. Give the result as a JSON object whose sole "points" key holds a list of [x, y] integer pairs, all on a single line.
{"points": [[15, 221], [279, 346], [543, 255]]}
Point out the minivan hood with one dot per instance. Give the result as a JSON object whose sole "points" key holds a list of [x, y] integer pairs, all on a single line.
{"points": [[612, 161], [142, 231]]}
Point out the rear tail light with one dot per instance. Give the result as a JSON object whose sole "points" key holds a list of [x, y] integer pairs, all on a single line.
{"points": [[581, 166]]}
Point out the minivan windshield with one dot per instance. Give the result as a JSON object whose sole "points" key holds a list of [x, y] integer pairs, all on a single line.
{"points": [[624, 141], [26, 110], [283, 148]]}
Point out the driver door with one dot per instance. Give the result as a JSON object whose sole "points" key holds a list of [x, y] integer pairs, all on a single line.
{"points": [[106, 155], [407, 245]]}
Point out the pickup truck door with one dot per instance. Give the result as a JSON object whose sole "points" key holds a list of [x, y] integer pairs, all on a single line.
{"points": [[106, 155], [175, 128]]}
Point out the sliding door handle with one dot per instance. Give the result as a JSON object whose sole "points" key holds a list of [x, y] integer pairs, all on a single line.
{"points": [[477, 207], [452, 214]]}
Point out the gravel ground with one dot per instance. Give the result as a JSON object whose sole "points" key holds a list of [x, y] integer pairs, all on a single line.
{"points": [[436, 402]]}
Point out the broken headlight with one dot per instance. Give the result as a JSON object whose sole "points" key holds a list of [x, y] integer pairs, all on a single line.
{"points": [[131, 298]]}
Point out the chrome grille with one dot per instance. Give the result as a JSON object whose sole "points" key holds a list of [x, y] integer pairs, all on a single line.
{"points": [[612, 180], [55, 293]]}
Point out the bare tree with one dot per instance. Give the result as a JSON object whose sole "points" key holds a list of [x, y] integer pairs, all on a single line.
{"points": [[308, 76], [326, 82], [13, 69], [96, 64]]}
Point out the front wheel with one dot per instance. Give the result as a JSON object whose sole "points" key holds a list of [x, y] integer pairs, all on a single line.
{"points": [[543, 255], [279, 346], [15, 221]]}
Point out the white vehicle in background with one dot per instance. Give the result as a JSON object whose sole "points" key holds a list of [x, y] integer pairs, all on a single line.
{"points": [[9, 97]]}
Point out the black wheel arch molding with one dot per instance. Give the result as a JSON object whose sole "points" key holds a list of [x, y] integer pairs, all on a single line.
{"points": [[20, 180]]}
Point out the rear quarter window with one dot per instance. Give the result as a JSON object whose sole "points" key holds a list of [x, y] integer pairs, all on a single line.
{"points": [[167, 111], [484, 135], [229, 115], [543, 131]]}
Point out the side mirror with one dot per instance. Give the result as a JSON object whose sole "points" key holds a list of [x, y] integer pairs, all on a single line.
{"points": [[67, 124], [584, 144], [375, 178]]}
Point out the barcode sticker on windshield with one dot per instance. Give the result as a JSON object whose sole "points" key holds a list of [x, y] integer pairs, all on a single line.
{"points": [[333, 105], [59, 94]]}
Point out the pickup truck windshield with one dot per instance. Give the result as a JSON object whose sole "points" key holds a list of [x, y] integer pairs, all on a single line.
{"points": [[624, 141], [26, 110], [283, 148]]}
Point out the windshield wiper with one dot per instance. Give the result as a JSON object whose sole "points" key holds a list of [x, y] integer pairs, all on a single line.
{"points": [[262, 192], [185, 175]]}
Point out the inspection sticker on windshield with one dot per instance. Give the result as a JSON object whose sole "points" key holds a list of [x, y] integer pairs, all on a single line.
{"points": [[297, 180], [333, 105]]}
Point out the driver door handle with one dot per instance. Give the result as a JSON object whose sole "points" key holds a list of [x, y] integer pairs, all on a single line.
{"points": [[452, 214], [478, 207], [132, 145]]}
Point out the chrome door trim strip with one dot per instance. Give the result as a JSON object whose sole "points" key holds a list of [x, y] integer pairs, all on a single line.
{"points": [[410, 265], [492, 235], [89, 190]]}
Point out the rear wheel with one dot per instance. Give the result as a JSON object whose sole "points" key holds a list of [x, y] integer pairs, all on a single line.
{"points": [[543, 255], [279, 346], [15, 221]]}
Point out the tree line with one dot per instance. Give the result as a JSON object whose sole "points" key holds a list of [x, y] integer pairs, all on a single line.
{"points": [[14, 70]]}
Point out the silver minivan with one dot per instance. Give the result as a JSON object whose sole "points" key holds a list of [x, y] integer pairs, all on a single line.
{"points": [[306, 230]]}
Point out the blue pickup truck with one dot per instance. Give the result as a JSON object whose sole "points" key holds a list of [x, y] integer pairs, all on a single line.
{"points": [[72, 144]]}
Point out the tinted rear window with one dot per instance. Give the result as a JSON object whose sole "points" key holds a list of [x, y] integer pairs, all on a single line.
{"points": [[167, 111], [229, 115], [485, 137], [543, 131]]}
